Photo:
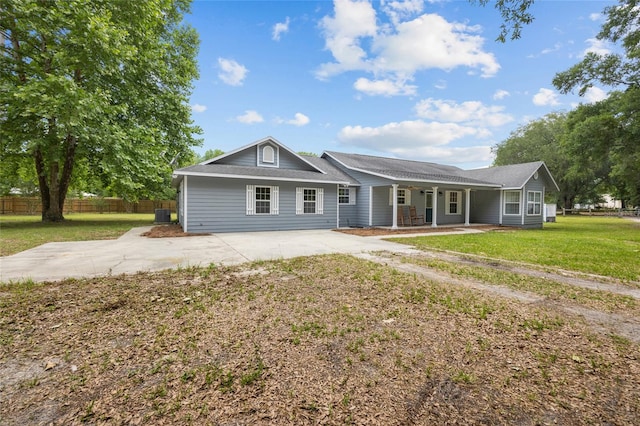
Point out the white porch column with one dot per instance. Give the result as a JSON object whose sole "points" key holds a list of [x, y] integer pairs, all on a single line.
{"points": [[434, 212], [394, 224], [467, 205]]}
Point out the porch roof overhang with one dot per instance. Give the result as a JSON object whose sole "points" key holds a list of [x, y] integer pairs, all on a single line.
{"points": [[430, 180]]}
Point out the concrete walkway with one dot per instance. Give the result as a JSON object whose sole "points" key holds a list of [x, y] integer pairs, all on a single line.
{"points": [[133, 253]]}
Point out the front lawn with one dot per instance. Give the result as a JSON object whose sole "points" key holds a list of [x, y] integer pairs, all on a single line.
{"points": [[18, 233], [594, 245], [331, 340]]}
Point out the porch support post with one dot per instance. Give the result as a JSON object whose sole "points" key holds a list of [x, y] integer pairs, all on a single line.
{"points": [[467, 205], [394, 224], [434, 213]]}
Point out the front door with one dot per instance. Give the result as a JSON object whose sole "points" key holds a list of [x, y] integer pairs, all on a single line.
{"points": [[428, 214]]}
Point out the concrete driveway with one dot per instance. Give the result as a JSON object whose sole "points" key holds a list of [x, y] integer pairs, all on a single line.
{"points": [[133, 253]]}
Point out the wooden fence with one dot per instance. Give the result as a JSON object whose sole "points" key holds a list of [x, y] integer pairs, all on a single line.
{"points": [[32, 205]]}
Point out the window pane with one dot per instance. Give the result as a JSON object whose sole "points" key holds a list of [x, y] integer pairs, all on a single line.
{"points": [[512, 197], [263, 207], [512, 209], [263, 200], [343, 195], [309, 198]]}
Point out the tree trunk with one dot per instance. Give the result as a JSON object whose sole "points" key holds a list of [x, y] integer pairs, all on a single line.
{"points": [[53, 183]]}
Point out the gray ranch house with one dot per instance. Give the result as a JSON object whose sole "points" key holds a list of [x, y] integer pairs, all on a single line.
{"points": [[265, 186]]}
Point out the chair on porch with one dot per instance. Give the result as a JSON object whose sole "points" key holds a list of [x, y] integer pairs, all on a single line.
{"points": [[414, 217], [402, 219]]}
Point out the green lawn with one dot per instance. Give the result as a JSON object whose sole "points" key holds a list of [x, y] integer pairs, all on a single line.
{"points": [[596, 245], [18, 233]]}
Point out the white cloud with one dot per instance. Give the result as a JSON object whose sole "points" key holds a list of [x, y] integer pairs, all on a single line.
{"points": [[231, 72], [595, 94], [250, 117], [299, 120], [398, 10], [440, 84], [596, 17], [547, 50], [444, 155], [198, 108], [352, 20], [599, 47], [546, 97], [406, 135], [396, 51], [280, 28], [469, 112], [384, 87], [500, 94]]}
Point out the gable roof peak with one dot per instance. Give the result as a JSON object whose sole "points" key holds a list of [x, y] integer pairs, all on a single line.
{"points": [[260, 142]]}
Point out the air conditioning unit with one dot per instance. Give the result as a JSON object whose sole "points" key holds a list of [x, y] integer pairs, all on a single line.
{"points": [[163, 216]]}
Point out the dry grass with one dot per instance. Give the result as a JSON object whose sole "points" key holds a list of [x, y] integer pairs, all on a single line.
{"points": [[329, 340]]}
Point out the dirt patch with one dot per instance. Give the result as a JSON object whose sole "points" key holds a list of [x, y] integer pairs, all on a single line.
{"points": [[372, 232], [312, 340], [169, 231]]}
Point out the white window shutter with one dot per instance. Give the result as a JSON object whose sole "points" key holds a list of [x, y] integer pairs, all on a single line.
{"points": [[251, 200], [275, 197], [407, 197], [299, 201], [352, 196], [320, 201], [390, 196]]}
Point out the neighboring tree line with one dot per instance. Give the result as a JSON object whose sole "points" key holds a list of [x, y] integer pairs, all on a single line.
{"points": [[595, 148]]}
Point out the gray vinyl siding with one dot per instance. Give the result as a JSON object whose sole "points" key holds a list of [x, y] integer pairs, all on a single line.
{"points": [[249, 157], [361, 215], [444, 219], [485, 207], [349, 215], [219, 205]]}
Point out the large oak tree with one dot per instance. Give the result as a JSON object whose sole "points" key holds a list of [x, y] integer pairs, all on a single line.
{"points": [[100, 83]]}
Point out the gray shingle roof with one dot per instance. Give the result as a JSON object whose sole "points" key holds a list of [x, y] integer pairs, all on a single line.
{"points": [[332, 174], [511, 176]]}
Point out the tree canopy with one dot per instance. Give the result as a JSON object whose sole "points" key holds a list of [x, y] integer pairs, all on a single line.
{"points": [[622, 28], [97, 87]]}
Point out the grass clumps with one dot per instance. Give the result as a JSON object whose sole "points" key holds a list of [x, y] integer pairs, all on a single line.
{"points": [[325, 339]]}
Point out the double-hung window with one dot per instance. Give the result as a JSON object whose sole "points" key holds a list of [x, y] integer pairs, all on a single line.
{"points": [[262, 200], [512, 202], [534, 203], [309, 200], [404, 197], [347, 196], [453, 206]]}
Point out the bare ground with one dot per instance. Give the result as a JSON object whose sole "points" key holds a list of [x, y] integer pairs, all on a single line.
{"points": [[319, 340]]}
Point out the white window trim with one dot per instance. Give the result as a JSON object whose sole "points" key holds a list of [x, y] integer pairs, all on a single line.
{"points": [[504, 204], [448, 204], [407, 196], [273, 201], [260, 162], [351, 193], [300, 201], [271, 157], [539, 203]]}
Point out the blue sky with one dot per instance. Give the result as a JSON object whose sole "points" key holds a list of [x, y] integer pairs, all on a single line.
{"points": [[421, 80]]}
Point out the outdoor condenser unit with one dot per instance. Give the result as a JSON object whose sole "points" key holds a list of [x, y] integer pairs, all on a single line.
{"points": [[163, 216]]}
